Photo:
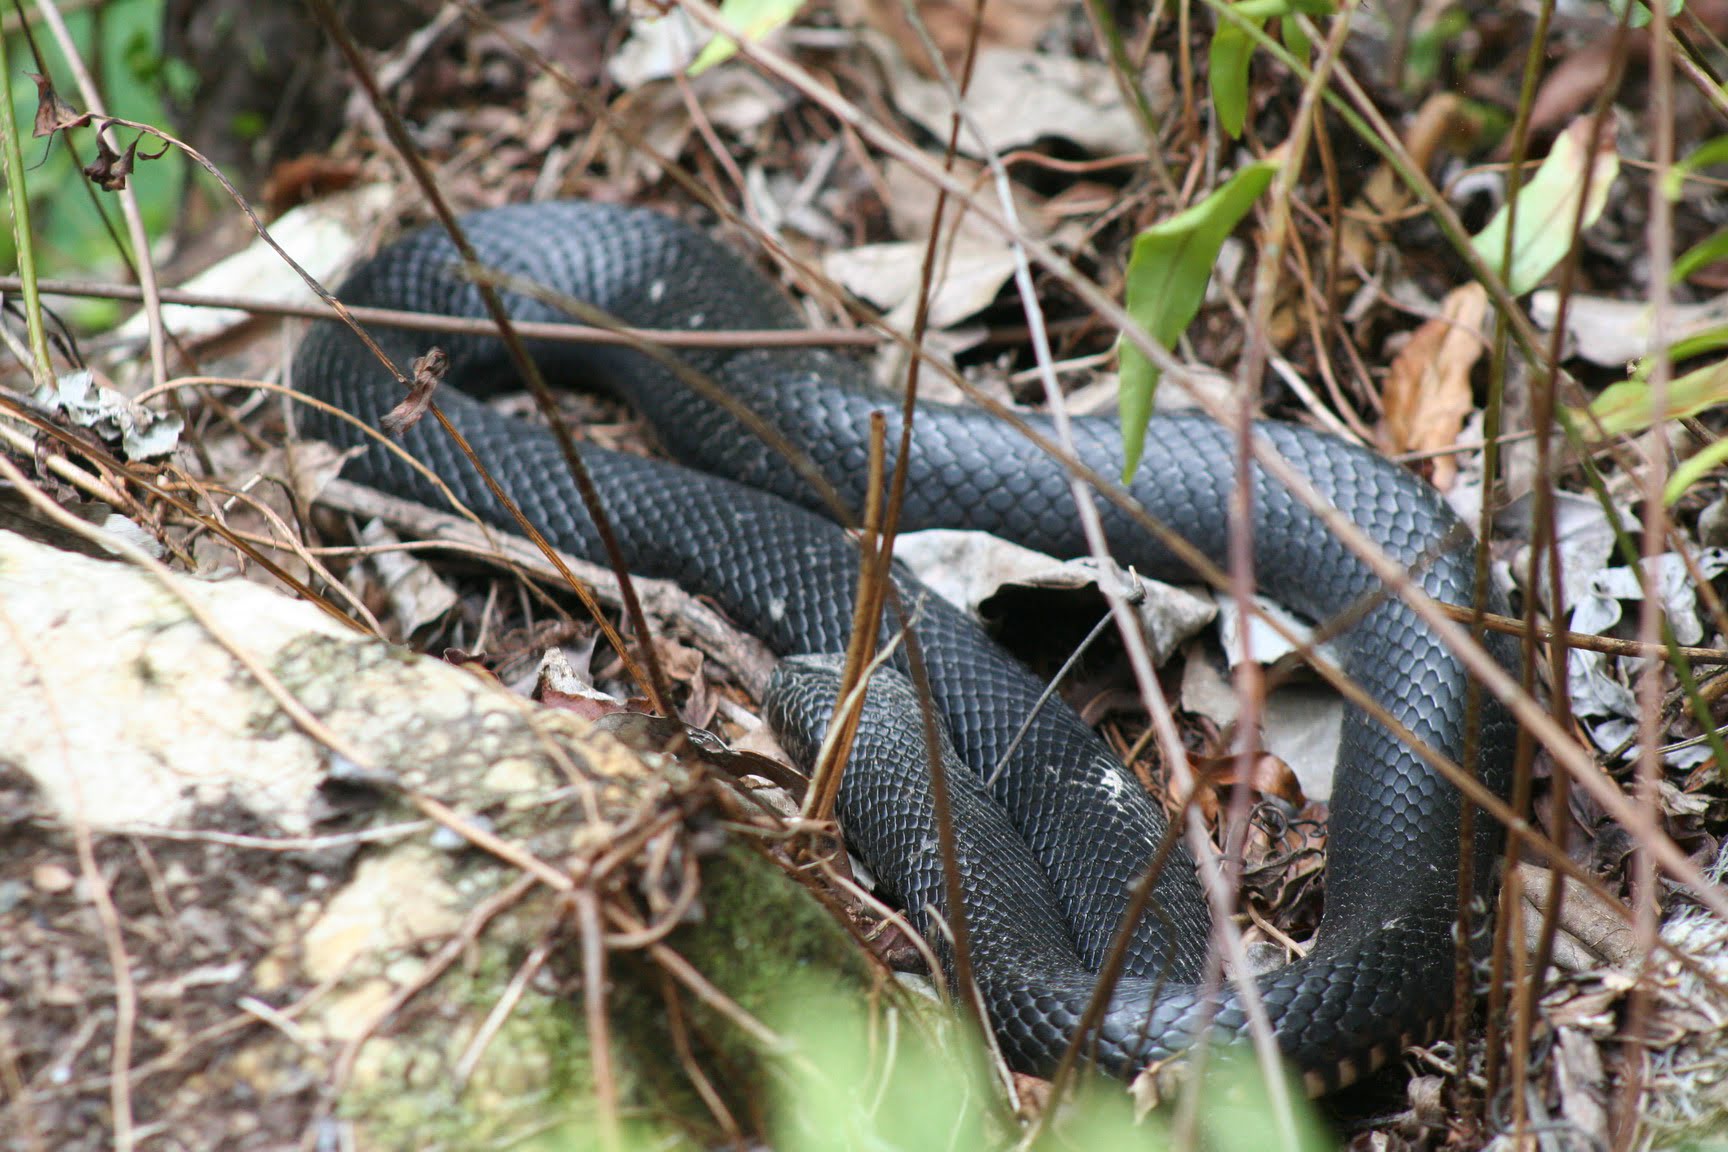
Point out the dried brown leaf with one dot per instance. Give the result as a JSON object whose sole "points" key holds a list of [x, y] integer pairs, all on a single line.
{"points": [[304, 179], [560, 685], [1427, 393], [429, 372], [1581, 1081], [111, 169], [1595, 925], [1268, 776], [1016, 24], [53, 113], [684, 665]]}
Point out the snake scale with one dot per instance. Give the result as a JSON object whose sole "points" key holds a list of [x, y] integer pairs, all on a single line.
{"points": [[1050, 852]]}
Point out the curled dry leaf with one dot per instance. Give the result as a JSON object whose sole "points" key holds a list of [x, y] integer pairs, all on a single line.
{"points": [[110, 168], [1582, 1083], [1427, 394], [53, 113], [428, 374], [1300, 724], [684, 665], [80, 401], [558, 684], [1266, 776]]}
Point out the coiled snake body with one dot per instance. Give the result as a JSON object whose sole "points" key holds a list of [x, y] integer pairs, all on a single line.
{"points": [[1050, 853]]}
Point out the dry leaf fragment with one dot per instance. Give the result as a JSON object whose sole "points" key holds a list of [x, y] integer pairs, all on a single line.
{"points": [[303, 179], [1018, 98], [53, 113], [1582, 1083], [418, 596], [428, 374], [1267, 776], [1428, 391], [558, 684], [110, 169], [1596, 926], [1017, 24]]}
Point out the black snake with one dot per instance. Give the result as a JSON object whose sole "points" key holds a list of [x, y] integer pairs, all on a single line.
{"points": [[1051, 852]]}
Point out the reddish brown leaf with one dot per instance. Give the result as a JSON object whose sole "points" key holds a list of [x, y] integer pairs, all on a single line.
{"points": [[305, 178], [1269, 776]]}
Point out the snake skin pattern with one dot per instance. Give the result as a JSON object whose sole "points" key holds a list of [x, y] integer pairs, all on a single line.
{"points": [[1050, 853]]}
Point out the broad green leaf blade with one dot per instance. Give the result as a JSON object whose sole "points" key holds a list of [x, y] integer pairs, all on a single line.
{"points": [[1227, 75], [1232, 49], [1548, 207], [754, 18], [1167, 275], [1295, 39], [1624, 408]]}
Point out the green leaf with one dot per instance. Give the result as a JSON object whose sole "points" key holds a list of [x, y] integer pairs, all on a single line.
{"points": [[1232, 50], [754, 18], [1640, 14], [1624, 408], [1239, 1115], [1167, 276], [1548, 208], [1694, 469], [1702, 254], [841, 1088], [1698, 344], [1709, 153], [1227, 74]]}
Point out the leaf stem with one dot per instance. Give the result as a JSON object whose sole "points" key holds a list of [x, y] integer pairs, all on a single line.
{"points": [[12, 157]]}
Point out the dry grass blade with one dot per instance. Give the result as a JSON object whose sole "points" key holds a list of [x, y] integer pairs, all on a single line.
{"points": [[1652, 625]]}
